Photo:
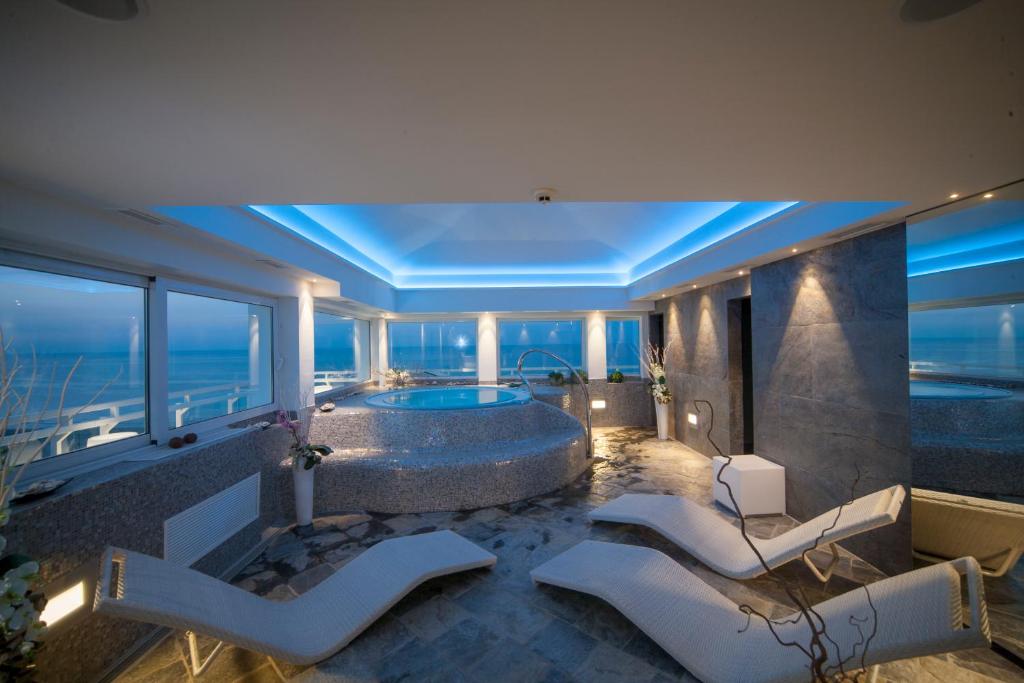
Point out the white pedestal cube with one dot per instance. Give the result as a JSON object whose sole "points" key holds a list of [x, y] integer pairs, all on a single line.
{"points": [[758, 485]]}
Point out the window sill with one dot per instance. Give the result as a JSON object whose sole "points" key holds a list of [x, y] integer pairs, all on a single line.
{"points": [[88, 475]]}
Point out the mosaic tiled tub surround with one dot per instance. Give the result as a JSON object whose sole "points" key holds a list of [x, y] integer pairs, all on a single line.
{"points": [[970, 445], [395, 460]]}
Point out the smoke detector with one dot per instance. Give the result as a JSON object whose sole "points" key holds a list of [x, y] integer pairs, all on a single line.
{"points": [[544, 195]]}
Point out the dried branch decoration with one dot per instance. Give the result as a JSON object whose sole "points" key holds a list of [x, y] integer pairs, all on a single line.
{"points": [[817, 649]]}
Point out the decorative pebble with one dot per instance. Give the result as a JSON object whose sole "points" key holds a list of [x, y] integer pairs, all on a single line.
{"points": [[191, 437], [326, 407], [176, 442]]}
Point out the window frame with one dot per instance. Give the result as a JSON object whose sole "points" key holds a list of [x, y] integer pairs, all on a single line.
{"points": [[440, 319], [165, 286], [155, 290], [542, 318], [359, 361], [639, 341], [70, 464]]}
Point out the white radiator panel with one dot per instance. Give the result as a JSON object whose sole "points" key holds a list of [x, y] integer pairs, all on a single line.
{"points": [[192, 533]]}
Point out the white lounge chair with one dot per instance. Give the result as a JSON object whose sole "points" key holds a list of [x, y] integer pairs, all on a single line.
{"points": [[949, 525], [919, 613], [718, 544], [305, 630]]}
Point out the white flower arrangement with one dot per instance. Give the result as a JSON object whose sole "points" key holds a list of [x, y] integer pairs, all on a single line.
{"points": [[654, 363], [397, 377]]}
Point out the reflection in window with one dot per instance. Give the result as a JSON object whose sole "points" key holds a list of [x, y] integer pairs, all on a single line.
{"points": [[445, 348], [978, 341], [340, 350], [564, 338], [622, 346], [51, 321], [218, 357]]}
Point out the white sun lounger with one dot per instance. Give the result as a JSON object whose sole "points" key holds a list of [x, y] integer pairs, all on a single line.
{"points": [[949, 525], [305, 630], [919, 613], [717, 543]]}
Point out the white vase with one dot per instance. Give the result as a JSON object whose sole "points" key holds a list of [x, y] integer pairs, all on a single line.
{"points": [[661, 413], [303, 481]]}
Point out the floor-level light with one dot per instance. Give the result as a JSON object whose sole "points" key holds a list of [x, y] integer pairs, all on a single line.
{"points": [[692, 418], [64, 603], [598, 404]]}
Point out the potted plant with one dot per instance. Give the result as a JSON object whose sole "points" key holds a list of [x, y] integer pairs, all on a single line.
{"points": [[556, 378], [582, 373], [305, 457], [654, 363], [616, 377]]}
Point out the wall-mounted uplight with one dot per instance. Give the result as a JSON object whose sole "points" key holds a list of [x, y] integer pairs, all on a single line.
{"points": [[692, 418], [955, 195], [988, 195], [64, 603], [598, 404]]}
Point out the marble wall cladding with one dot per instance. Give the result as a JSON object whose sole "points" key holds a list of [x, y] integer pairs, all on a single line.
{"points": [[628, 404], [125, 505], [831, 392], [699, 364]]}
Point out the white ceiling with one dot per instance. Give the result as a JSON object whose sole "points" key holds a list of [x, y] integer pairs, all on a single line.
{"points": [[326, 101]]}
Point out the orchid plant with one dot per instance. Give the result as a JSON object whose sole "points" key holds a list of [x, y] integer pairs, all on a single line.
{"points": [[654, 364], [301, 450]]}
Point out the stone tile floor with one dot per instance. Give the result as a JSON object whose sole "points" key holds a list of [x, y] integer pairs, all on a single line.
{"points": [[495, 625]]}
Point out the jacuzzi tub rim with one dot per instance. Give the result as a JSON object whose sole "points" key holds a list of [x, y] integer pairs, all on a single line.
{"points": [[995, 393], [522, 398]]}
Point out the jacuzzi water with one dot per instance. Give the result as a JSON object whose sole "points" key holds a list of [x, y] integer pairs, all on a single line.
{"points": [[448, 398], [927, 389]]}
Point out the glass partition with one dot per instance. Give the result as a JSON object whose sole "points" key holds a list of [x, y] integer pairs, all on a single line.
{"points": [[341, 351], [622, 345], [218, 357], [440, 348], [57, 327], [563, 338]]}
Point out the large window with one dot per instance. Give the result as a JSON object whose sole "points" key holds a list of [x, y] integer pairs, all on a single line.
{"points": [[563, 338], [445, 348], [218, 357], [340, 350], [977, 341], [622, 345], [57, 327]]}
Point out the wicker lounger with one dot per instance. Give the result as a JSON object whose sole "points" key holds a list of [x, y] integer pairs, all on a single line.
{"points": [[305, 630], [718, 544], [949, 525], [919, 613]]}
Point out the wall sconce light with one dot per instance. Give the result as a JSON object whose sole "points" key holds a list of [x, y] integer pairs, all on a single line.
{"points": [[692, 418], [598, 404], [64, 603]]}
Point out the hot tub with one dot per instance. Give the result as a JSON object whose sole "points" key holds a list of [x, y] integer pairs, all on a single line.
{"points": [[430, 449], [448, 398], [927, 389]]}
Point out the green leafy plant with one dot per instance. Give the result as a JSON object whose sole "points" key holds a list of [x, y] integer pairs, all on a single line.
{"points": [[556, 378], [616, 377], [582, 373]]}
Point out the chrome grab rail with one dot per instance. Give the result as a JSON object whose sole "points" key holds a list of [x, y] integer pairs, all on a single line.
{"points": [[583, 385]]}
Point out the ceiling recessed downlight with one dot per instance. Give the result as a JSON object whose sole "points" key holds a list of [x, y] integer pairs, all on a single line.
{"points": [[955, 195], [988, 195]]}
